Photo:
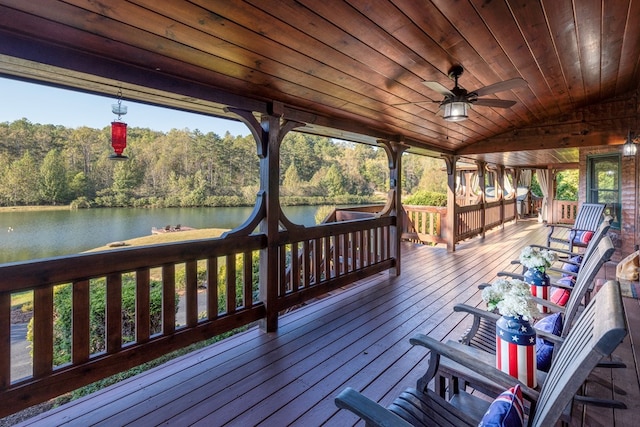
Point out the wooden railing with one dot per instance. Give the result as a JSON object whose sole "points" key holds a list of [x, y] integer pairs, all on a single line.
{"points": [[564, 211], [424, 224], [473, 220], [311, 261], [319, 259]]}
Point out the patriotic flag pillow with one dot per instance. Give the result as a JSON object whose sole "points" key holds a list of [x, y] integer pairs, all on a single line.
{"points": [[507, 410], [582, 237], [560, 296], [544, 348]]}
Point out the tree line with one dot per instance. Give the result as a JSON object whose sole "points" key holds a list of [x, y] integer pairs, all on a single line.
{"points": [[43, 164]]}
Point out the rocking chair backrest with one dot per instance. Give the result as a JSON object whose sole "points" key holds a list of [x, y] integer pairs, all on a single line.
{"points": [[589, 216], [597, 333], [602, 231], [586, 276]]}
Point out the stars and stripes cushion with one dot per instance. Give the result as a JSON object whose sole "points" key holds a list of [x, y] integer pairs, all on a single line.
{"points": [[506, 410], [560, 296], [582, 237]]}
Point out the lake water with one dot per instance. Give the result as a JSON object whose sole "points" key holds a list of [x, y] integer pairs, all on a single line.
{"points": [[41, 234]]}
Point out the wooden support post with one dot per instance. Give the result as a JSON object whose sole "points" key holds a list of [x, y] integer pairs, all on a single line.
{"points": [[500, 187], [451, 227], [483, 201], [516, 180], [269, 182], [551, 191], [267, 134], [394, 152]]}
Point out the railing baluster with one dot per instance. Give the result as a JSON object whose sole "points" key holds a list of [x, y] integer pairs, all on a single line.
{"points": [[284, 282], [168, 299], [345, 252], [231, 283], [375, 245], [143, 306], [5, 340], [191, 292], [327, 257], [336, 255], [42, 331], [361, 248], [317, 262], [366, 244], [306, 263], [114, 312], [295, 267], [80, 327], [212, 288], [247, 277]]}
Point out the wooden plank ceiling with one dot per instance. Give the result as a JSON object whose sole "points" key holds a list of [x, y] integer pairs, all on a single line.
{"points": [[353, 69]]}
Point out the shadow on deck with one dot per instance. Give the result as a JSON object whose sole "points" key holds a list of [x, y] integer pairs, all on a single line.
{"points": [[357, 337]]}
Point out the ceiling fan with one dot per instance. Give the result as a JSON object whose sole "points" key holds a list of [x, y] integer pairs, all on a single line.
{"points": [[456, 101]]}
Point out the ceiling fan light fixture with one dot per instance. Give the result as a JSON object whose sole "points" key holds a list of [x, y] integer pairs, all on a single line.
{"points": [[455, 111]]}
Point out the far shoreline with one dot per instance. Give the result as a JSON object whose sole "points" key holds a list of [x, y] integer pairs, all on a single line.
{"points": [[34, 208]]}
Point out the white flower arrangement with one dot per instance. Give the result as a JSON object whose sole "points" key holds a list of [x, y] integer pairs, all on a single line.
{"points": [[511, 297], [536, 258]]}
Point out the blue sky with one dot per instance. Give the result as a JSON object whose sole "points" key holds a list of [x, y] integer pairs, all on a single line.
{"points": [[47, 105]]}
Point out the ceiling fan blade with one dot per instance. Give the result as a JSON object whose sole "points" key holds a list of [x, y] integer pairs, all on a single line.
{"points": [[438, 88], [501, 86], [498, 103]]}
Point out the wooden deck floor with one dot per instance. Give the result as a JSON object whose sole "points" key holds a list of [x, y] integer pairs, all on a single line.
{"points": [[357, 337]]}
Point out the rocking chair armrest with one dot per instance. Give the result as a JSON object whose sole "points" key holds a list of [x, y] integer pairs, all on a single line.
{"points": [[554, 339], [510, 274], [371, 412], [563, 271], [562, 286], [554, 307], [562, 251], [598, 402], [560, 225], [475, 311], [481, 286], [439, 349]]}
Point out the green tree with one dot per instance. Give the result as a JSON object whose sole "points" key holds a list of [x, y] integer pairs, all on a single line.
{"points": [[79, 186], [291, 182], [53, 178], [127, 175], [334, 182], [567, 185], [20, 183]]}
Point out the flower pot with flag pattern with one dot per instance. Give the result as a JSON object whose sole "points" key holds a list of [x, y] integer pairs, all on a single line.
{"points": [[516, 349]]}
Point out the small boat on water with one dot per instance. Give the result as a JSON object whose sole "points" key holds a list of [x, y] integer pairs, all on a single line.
{"points": [[170, 229]]}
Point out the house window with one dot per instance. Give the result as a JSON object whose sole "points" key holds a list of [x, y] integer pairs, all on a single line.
{"points": [[603, 184]]}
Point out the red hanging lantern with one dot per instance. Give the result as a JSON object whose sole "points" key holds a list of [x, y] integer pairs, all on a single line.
{"points": [[118, 130]]}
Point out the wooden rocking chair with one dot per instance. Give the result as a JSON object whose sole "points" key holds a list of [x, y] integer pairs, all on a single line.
{"points": [[565, 254], [595, 335], [481, 334], [587, 221]]}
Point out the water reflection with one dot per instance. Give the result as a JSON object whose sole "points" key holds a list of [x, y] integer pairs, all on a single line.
{"points": [[40, 234]]}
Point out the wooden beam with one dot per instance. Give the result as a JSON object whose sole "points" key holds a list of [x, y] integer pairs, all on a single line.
{"points": [[606, 123]]}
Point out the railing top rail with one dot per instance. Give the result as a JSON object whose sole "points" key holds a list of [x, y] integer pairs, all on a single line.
{"points": [[64, 269]]}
